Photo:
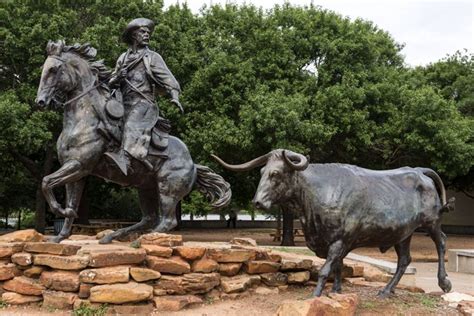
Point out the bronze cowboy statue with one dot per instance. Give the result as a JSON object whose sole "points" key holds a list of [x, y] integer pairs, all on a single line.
{"points": [[141, 74], [162, 170]]}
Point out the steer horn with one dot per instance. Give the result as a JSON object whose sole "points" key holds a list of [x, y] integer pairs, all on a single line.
{"points": [[301, 161], [257, 162]]}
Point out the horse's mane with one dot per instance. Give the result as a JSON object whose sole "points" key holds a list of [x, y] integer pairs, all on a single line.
{"points": [[86, 51]]}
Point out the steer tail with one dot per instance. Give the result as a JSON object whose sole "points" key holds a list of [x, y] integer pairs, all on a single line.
{"points": [[447, 206], [213, 186]]}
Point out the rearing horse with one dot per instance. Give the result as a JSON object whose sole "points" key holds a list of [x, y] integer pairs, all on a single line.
{"points": [[70, 72]]}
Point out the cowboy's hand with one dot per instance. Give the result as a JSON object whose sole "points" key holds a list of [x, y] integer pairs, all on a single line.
{"points": [[123, 74], [178, 104]]}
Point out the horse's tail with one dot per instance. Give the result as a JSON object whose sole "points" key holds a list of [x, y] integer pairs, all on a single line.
{"points": [[213, 186], [446, 206]]}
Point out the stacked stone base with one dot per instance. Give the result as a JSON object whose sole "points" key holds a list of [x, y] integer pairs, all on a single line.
{"points": [[158, 272]]}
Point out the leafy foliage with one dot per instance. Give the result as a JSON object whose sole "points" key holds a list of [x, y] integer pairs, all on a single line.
{"points": [[301, 78]]}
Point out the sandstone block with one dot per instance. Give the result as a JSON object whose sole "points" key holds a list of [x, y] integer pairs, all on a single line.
{"points": [[335, 304], [121, 293], [8, 271], [298, 277], [59, 300], [113, 257], [175, 302], [7, 249], [158, 251], [205, 265], [229, 269], [105, 275], [61, 262], [22, 259], [33, 272], [17, 299], [67, 281], [144, 274], [51, 248], [22, 236], [101, 234], [131, 309], [243, 241], [160, 239], [295, 308], [236, 284], [191, 283], [274, 279], [172, 265], [231, 255], [296, 264], [189, 253], [24, 285], [255, 267], [84, 290]]}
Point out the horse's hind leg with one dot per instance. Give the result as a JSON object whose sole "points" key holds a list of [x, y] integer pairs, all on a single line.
{"points": [[439, 239], [73, 198], [149, 207], [404, 259], [173, 185]]}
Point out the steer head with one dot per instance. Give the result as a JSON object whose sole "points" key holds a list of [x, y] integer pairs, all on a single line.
{"points": [[277, 183]]}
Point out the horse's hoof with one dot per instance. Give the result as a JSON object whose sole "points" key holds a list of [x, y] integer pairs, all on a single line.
{"points": [[56, 239], [70, 213], [337, 291], [107, 239], [445, 285]]}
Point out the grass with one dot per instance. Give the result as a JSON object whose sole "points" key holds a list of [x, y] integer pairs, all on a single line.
{"points": [[428, 301], [85, 310], [3, 304], [368, 305]]}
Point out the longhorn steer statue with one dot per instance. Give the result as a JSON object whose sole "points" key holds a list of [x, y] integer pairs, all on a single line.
{"points": [[343, 207]]}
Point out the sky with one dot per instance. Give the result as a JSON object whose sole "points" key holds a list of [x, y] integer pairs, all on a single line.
{"points": [[429, 29]]}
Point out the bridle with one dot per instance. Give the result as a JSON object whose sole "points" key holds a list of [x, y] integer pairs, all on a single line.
{"points": [[56, 79]]}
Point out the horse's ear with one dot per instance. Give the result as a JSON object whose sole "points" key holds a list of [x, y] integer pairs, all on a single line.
{"points": [[55, 48]]}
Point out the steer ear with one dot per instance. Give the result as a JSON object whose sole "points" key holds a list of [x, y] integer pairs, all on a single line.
{"points": [[296, 161], [257, 162]]}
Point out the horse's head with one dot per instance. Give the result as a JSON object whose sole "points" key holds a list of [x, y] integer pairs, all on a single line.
{"points": [[63, 71]]}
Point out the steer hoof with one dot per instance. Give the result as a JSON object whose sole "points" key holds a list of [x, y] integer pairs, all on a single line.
{"points": [[384, 294], [445, 285]]}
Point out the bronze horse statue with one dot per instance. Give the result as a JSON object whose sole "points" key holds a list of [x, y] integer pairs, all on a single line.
{"points": [[70, 73]]}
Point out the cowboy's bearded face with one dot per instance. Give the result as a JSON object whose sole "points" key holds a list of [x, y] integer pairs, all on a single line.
{"points": [[141, 36]]}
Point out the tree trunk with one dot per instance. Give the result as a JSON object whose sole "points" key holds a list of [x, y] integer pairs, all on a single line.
{"points": [[18, 224], [288, 238], [40, 205], [40, 210], [83, 211]]}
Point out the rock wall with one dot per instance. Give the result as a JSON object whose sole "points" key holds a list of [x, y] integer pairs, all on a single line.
{"points": [[158, 272]]}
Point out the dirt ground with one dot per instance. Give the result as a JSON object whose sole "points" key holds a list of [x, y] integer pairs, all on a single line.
{"points": [[251, 304], [422, 247]]}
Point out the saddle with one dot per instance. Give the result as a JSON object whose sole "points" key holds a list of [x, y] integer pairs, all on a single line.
{"points": [[112, 127]]}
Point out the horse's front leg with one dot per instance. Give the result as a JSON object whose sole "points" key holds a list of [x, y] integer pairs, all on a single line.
{"points": [[71, 171], [74, 192]]}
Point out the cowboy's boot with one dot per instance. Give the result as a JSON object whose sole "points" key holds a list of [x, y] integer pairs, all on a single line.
{"points": [[121, 159]]}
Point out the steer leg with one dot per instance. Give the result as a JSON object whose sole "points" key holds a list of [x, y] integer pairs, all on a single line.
{"points": [[440, 240], [404, 259], [337, 270], [335, 254]]}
